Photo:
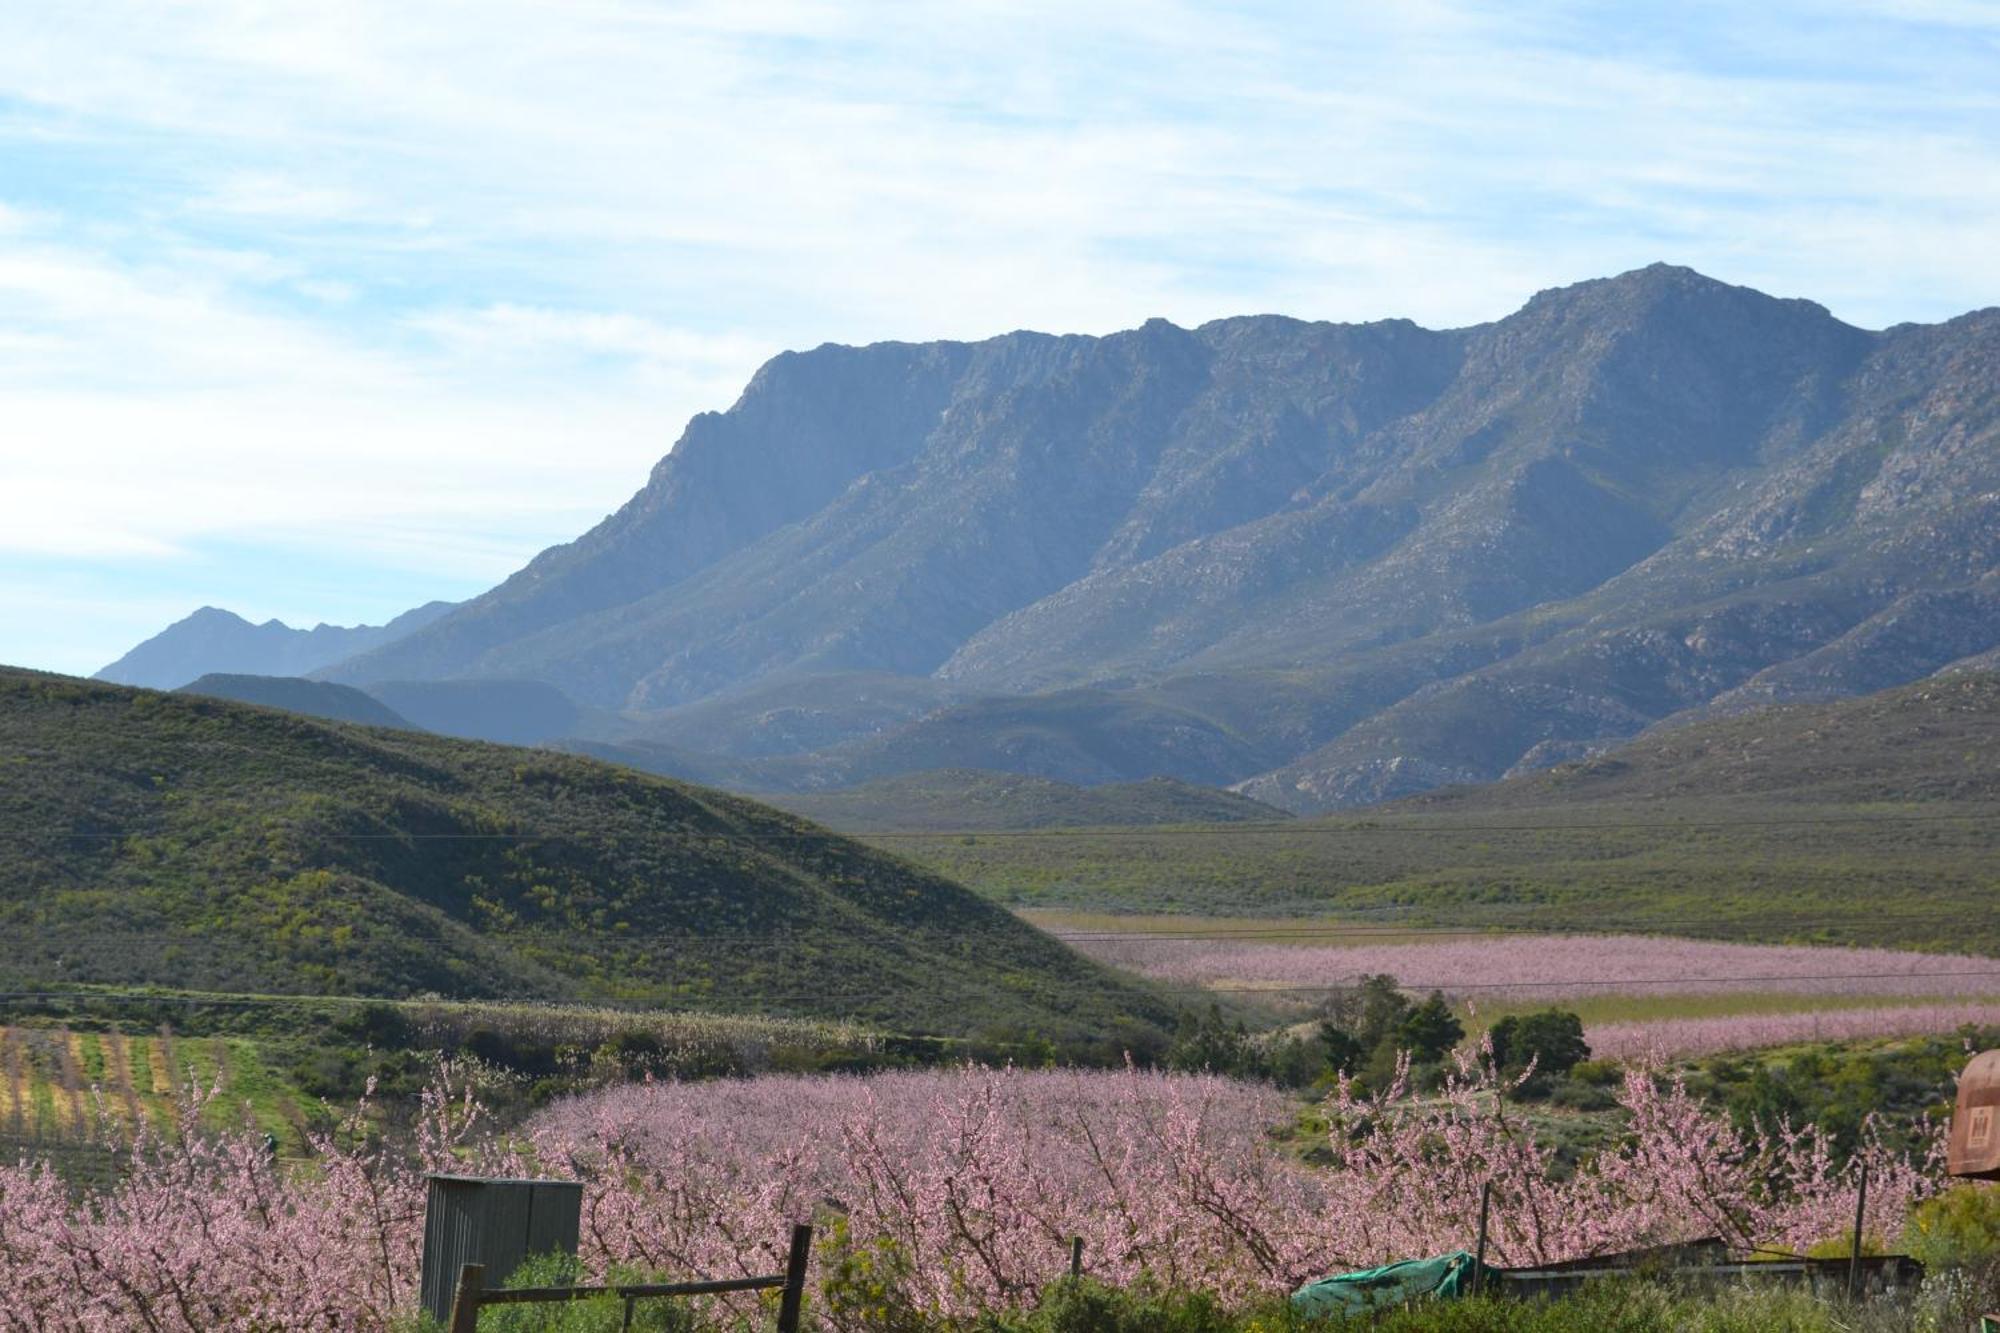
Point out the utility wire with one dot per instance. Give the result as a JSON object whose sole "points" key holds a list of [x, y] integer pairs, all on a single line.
{"points": [[1277, 934], [1608, 981], [831, 838], [822, 994]]}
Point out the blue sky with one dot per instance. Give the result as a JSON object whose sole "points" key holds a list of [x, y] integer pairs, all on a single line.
{"points": [[322, 311]]}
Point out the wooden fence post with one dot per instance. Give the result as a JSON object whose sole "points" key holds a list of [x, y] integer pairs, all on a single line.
{"points": [[1075, 1257], [1479, 1250], [465, 1303], [795, 1279], [1854, 1255]]}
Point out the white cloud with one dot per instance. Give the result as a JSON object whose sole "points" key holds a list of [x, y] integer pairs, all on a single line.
{"points": [[440, 283], [152, 414], [269, 195]]}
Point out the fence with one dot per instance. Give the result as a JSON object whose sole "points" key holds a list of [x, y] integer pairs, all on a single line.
{"points": [[472, 1296]]}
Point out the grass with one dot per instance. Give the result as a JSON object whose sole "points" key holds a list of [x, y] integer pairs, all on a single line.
{"points": [[1249, 931], [253, 1086], [1869, 821], [1915, 875], [1639, 1008]]}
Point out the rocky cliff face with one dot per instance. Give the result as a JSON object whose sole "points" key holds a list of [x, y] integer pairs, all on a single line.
{"points": [[1331, 563]]}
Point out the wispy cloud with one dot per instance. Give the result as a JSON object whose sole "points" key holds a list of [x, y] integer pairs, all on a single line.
{"points": [[253, 260]]}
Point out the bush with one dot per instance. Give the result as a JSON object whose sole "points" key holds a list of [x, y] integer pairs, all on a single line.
{"points": [[600, 1315], [1597, 1073], [1430, 1030], [1551, 1041], [1090, 1307], [1574, 1094], [1959, 1228]]}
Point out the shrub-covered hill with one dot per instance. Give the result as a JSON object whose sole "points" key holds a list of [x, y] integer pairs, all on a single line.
{"points": [[1937, 740], [968, 799], [195, 842]]}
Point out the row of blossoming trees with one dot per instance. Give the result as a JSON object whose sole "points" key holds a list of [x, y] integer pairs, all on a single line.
{"points": [[957, 1190]]}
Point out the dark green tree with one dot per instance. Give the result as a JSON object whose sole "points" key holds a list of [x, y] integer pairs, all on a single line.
{"points": [[1553, 1039], [1380, 1008], [1209, 1042], [1430, 1030], [1344, 1051]]}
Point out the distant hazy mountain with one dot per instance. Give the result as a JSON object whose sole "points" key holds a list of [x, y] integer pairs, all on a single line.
{"points": [[315, 698], [512, 712], [214, 641], [1330, 564]]}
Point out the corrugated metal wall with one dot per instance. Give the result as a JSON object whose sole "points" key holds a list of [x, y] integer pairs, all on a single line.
{"points": [[497, 1223]]}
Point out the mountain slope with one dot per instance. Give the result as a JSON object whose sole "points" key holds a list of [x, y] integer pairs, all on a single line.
{"points": [[314, 698], [1328, 564], [217, 642], [1935, 741], [510, 712], [175, 839], [964, 799]]}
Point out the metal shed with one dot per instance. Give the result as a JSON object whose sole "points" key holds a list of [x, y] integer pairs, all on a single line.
{"points": [[1974, 1148], [497, 1223]]}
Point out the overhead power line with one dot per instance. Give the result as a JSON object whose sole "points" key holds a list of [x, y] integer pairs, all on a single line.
{"points": [[1280, 988], [1404, 825], [822, 996]]}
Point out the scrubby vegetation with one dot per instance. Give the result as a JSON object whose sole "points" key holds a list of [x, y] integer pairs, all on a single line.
{"points": [[1892, 874], [1842, 1089], [962, 800], [1868, 821], [184, 841]]}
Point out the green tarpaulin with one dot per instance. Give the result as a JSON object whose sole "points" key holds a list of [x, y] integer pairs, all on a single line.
{"points": [[1448, 1275]]}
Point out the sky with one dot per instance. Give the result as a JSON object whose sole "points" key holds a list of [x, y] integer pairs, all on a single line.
{"points": [[321, 311]]}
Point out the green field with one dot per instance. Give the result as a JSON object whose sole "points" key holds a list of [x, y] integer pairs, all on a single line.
{"points": [[1870, 820], [1918, 875], [63, 1085]]}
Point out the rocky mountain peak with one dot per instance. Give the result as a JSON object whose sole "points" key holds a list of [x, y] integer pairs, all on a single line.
{"points": [[1332, 560]]}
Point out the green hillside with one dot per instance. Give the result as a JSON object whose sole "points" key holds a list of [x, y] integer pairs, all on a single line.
{"points": [[1875, 820], [974, 799], [191, 842]]}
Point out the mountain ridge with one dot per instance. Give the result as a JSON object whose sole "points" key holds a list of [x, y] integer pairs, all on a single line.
{"points": [[214, 641], [1323, 564]]}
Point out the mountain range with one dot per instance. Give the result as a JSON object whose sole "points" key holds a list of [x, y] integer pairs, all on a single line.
{"points": [[1324, 564], [213, 641]]}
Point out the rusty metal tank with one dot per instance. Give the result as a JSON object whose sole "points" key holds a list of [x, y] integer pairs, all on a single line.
{"points": [[1974, 1149]]}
